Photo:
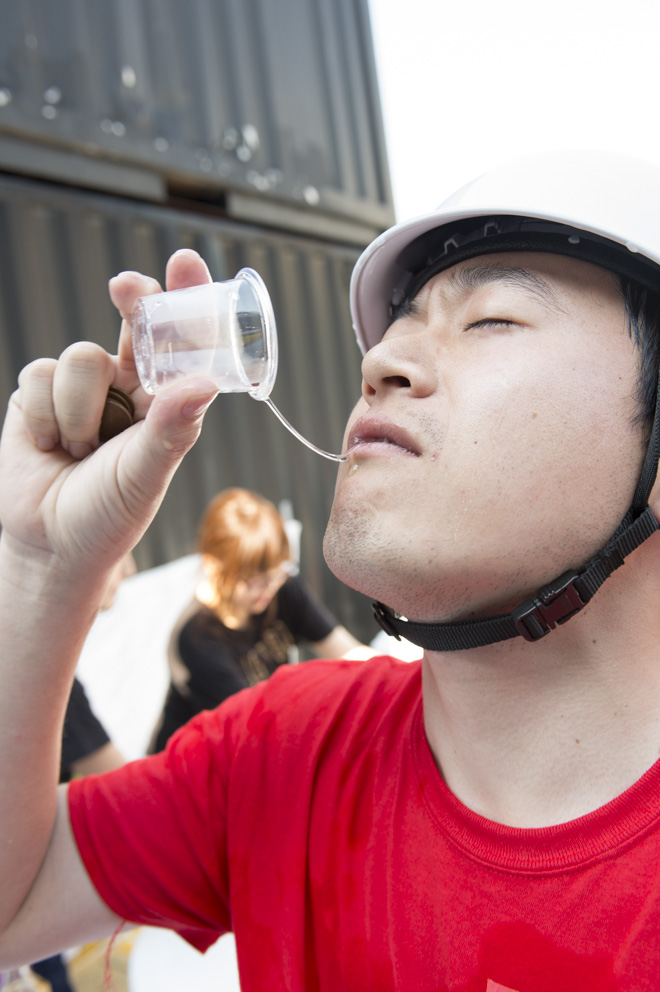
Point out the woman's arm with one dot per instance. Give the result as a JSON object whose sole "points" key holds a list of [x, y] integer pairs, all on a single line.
{"points": [[341, 644]]}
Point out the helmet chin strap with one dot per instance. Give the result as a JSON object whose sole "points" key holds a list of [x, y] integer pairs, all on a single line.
{"points": [[554, 603]]}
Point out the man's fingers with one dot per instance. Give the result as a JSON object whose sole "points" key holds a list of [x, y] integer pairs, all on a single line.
{"points": [[186, 268], [127, 287], [171, 427], [80, 386], [63, 401], [36, 401]]}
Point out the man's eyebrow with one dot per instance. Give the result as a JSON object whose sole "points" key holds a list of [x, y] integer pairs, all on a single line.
{"points": [[481, 275]]}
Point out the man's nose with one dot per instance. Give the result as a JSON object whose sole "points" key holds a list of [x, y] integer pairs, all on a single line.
{"points": [[399, 363]]}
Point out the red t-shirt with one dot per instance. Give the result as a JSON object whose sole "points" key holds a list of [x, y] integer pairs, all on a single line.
{"points": [[307, 815]]}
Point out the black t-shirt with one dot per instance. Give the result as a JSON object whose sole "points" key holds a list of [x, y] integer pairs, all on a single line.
{"points": [[83, 734], [210, 661]]}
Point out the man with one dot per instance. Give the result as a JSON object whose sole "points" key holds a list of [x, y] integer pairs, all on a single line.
{"points": [[86, 750], [485, 821]]}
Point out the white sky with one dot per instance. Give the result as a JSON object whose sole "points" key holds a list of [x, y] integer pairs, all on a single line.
{"points": [[466, 84]]}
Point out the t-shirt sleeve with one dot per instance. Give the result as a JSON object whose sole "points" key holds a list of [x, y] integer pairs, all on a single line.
{"points": [[306, 617], [216, 829], [152, 834], [83, 733]]}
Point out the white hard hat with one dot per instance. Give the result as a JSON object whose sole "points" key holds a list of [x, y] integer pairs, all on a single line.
{"points": [[612, 199]]}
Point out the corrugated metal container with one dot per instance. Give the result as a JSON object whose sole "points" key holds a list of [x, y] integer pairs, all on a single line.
{"points": [[248, 129], [257, 104], [58, 247]]}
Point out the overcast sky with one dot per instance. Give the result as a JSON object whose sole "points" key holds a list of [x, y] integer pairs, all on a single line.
{"points": [[469, 83]]}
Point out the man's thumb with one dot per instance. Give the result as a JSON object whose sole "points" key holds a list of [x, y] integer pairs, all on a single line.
{"points": [[171, 427]]}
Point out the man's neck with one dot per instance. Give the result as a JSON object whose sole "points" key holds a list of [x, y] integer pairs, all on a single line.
{"points": [[537, 734]]}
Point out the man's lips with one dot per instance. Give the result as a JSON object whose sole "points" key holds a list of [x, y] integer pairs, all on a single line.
{"points": [[373, 434]]}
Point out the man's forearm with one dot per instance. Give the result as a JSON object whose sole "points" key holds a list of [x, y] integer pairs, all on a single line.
{"points": [[45, 614]]}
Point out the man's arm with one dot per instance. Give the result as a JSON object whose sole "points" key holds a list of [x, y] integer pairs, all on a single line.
{"points": [[63, 909], [69, 511]]}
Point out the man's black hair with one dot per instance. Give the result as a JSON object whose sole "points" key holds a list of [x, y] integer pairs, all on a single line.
{"points": [[643, 312]]}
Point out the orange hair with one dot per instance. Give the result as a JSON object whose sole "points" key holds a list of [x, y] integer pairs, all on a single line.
{"points": [[244, 535]]}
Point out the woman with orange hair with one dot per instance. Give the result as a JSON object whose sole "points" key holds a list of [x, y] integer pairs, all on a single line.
{"points": [[247, 615]]}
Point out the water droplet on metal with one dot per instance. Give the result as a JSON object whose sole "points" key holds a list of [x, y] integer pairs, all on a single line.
{"points": [[230, 138], [257, 180], [128, 76], [243, 153], [574, 239], [52, 95], [204, 159], [251, 136], [5, 96], [49, 112], [106, 125], [161, 144], [631, 247], [118, 129], [311, 195]]}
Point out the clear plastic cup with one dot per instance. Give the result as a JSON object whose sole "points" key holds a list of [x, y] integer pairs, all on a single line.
{"points": [[224, 331]]}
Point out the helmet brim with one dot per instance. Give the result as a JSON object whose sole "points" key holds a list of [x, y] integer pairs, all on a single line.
{"points": [[604, 194]]}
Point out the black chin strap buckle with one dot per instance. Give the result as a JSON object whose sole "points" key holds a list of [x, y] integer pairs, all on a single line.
{"points": [[381, 614], [555, 604]]}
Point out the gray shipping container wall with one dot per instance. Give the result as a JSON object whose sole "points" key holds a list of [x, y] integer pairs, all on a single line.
{"points": [[247, 129], [201, 97], [57, 250]]}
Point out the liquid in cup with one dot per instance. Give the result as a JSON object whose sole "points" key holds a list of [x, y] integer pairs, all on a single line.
{"points": [[223, 331]]}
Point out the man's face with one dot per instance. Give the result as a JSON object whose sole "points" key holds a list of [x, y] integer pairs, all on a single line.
{"points": [[494, 445]]}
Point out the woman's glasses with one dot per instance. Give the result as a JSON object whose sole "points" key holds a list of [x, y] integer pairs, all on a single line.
{"points": [[274, 577]]}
